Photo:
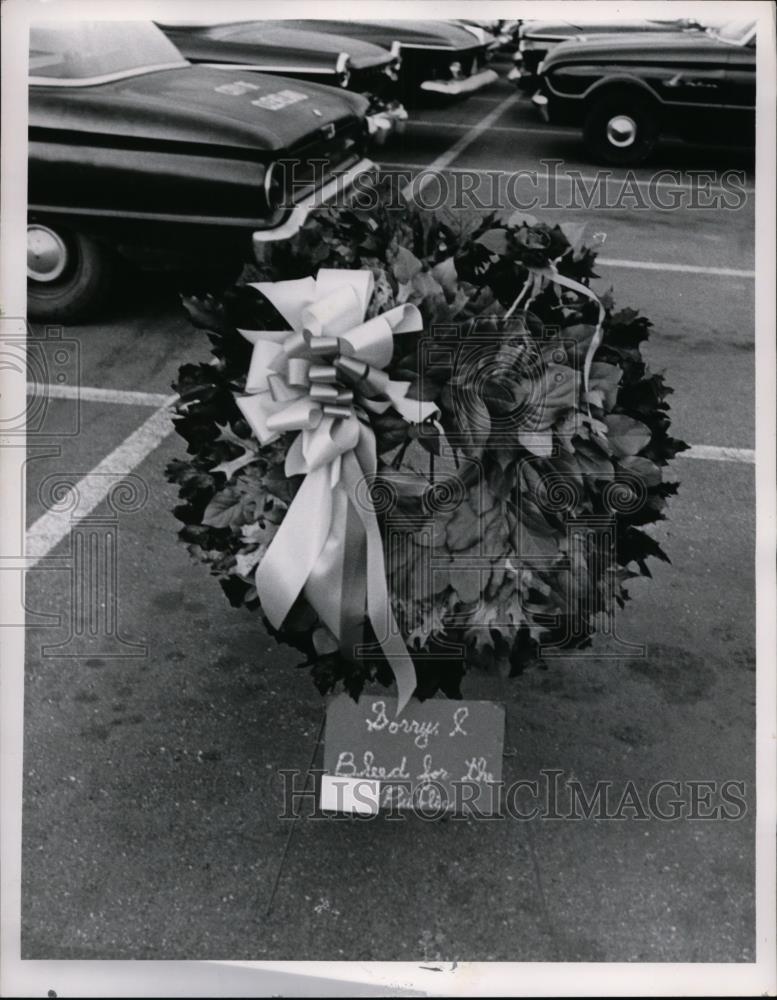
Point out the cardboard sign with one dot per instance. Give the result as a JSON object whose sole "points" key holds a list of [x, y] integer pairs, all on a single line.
{"points": [[437, 756]]}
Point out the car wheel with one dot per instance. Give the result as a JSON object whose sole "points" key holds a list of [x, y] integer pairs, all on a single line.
{"points": [[621, 128], [68, 274]]}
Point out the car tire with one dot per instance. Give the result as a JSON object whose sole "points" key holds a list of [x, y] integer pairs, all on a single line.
{"points": [[76, 273], [621, 128]]}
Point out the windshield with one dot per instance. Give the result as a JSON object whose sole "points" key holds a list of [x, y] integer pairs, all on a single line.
{"points": [[736, 32], [85, 50]]}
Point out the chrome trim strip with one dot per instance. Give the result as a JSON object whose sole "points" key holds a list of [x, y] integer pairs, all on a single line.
{"points": [[643, 85], [128, 214], [300, 212], [437, 48], [259, 68], [465, 86]]}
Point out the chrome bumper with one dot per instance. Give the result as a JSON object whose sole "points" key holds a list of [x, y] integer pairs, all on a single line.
{"points": [[383, 123], [464, 86], [294, 222], [540, 102]]}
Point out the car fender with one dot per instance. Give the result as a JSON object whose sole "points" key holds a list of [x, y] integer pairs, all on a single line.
{"points": [[623, 81], [614, 81]]}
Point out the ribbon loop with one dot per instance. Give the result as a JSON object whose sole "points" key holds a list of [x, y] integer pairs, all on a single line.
{"points": [[323, 373], [318, 380]]}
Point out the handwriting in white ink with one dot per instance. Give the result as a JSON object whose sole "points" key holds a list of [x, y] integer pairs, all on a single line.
{"points": [[476, 770], [421, 730], [458, 717], [428, 774], [346, 767]]}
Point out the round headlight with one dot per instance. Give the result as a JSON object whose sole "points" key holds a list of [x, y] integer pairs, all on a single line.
{"points": [[455, 68]]}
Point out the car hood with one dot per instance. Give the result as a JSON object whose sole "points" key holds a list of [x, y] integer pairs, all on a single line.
{"points": [[262, 41], [190, 105], [639, 47], [437, 34], [568, 29]]}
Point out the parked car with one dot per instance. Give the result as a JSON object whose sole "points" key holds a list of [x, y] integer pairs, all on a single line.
{"points": [[281, 48], [537, 38], [438, 57], [134, 153], [628, 91], [504, 32]]}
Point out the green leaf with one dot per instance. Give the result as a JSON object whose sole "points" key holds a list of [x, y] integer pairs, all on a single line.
{"points": [[406, 266], [463, 529], [228, 509], [531, 544], [626, 435], [467, 420], [468, 583], [230, 467], [539, 443], [575, 233], [592, 462], [445, 274], [519, 218], [605, 379], [647, 471], [494, 240]]}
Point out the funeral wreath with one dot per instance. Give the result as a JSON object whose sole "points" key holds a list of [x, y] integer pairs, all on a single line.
{"points": [[422, 444]]}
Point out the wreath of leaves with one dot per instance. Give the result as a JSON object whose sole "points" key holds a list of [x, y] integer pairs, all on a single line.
{"points": [[561, 461]]}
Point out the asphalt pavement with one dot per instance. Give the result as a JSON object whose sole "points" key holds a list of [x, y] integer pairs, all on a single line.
{"points": [[154, 737]]}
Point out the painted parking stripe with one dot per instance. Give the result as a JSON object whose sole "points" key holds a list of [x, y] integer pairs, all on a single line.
{"points": [[577, 178], [569, 131], [121, 397], [93, 394], [531, 129], [414, 188], [651, 265], [90, 491], [712, 453]]}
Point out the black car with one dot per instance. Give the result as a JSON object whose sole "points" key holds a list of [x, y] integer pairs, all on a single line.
{"points": [[438, 57], [537, 38], [135, 153], [628, 91], [282, 48]]}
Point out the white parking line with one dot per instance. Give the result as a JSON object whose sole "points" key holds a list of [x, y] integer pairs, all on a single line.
{"points": [[446, 158], [651, 265], [528, 174], [569, 131], [712, 453], [93, 394], [531, 129], [90, 491], [485, 99]]}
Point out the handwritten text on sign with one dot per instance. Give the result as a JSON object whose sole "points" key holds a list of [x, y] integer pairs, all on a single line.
{"points": [[436, 755]]}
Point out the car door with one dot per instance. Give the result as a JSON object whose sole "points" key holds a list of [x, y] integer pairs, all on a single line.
{"points": [[740, 91]]}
